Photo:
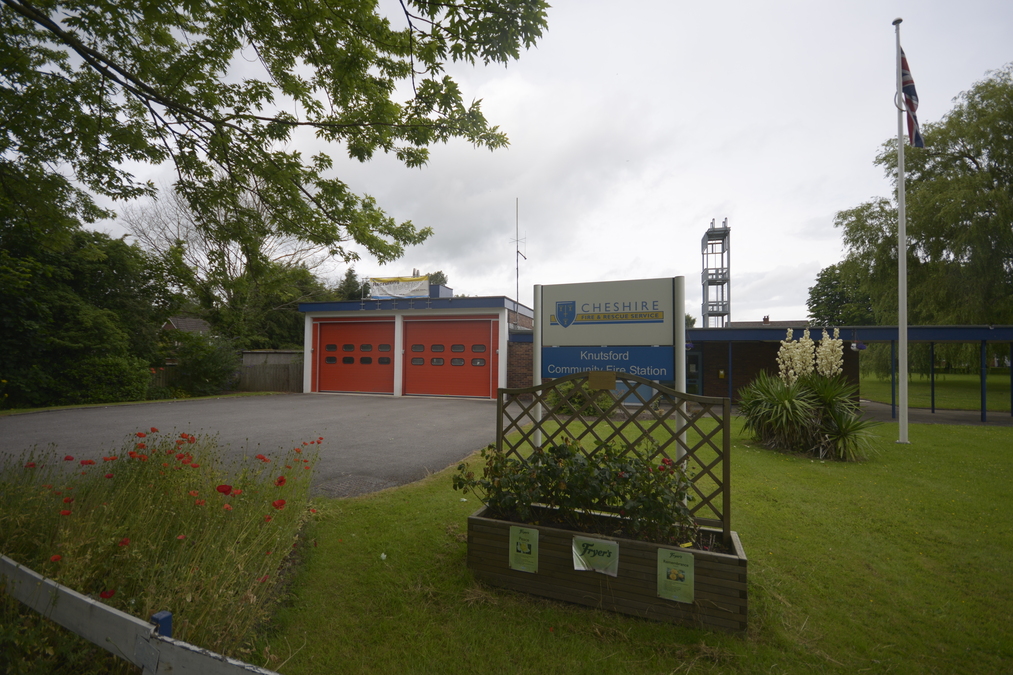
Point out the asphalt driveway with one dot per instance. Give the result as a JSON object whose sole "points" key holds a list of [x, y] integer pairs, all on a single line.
{"points": [[370, 442]]}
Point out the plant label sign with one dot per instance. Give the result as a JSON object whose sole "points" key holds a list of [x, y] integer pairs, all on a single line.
{"points": [[596, 555], [675, 575], [523, 549]]}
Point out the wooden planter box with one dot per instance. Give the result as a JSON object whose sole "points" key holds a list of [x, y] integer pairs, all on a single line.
{"points": [[720, 595]]}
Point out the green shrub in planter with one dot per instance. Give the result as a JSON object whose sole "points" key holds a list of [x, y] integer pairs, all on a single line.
{"points": [[561, 482]]}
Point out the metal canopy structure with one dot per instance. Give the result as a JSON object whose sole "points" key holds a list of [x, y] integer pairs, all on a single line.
{"points": [[867, 334]]}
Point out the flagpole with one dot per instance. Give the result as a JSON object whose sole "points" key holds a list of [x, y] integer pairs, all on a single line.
{"points": [[902, 375]]}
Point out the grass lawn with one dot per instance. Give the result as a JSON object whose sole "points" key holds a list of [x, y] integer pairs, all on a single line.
{"points": [[953, 392], [898, 564]]}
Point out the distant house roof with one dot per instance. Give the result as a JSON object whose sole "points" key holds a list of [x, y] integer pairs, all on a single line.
{"points": [[187, 325]]}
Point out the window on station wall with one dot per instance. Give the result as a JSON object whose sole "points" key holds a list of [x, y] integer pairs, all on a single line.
{"points": [[331, 359], [457, 348], [457, 362], [438, 348], [348, 348], [436, 362], [478, 362], [383, 361], [418, 361], [365, 348], [383, 348], [478, 349], [418, 348], [348, 360], [331, 348], [366, 360]]}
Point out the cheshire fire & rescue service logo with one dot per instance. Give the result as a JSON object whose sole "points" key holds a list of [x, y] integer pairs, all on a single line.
{"points": [[566, 312]]}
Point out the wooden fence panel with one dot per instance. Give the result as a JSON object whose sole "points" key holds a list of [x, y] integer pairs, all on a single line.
{"points": [[272, 377]]}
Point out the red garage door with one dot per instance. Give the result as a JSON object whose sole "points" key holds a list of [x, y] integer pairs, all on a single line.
{"points": [[355, 356], [451, 357]]}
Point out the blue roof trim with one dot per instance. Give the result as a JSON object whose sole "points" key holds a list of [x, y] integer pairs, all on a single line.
{"points": [[862, 333], [418, 304], [521, 337]]}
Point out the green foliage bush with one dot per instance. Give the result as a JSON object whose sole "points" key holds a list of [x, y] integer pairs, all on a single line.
{"points": [[206, 365], [106, 379], [651, 499], [814, 415], [566, 400]]}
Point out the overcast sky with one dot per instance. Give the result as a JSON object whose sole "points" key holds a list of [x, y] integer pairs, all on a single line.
{"points": [[632, 125]]}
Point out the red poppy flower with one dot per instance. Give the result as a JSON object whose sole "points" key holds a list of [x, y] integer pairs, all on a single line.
{"points": [[67, 500], [305, 443], [140, 434], [65, 512], [191, 440], [154, 430], [143, 458], [297, 449], [237, 492], [224, 489], [184, 435], [69, 458], [288, 466], [109, 459], [124, 541], [278, 504], [194, 465], [279, 481], [264, 578], [141, 446], [108, 594], [56, 558], [199, 502], [131, 454], [180, 455], [193, 493], [30, 465], [313, 510], [181, 537], [87, 462], [48, 486], [227, 507], [180, 441], [109, 475], [320, 438], [267, 519]]}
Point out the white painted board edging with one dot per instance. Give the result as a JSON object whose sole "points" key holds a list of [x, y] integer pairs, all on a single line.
{"points": [[117, 632]]}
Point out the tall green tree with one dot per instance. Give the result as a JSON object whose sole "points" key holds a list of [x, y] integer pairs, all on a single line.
{"points": [[959, 218], [351, 288], [79, 318], [248, 290], [223, 89], [837, 298]]}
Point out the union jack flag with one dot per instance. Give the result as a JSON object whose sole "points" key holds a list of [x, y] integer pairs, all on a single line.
{"points": [[907, 82]]}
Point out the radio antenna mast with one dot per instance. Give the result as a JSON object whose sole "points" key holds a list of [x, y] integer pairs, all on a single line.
{"points": [[517, 258]]}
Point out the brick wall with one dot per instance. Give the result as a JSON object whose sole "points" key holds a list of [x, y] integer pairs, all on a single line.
{"points": [[520, 360], [521, 320]]}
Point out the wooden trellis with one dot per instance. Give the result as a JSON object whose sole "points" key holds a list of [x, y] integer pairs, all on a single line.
{"points": [[642, 417]]}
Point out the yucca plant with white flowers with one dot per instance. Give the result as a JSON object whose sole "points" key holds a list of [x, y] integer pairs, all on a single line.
{"points": [[810, 407]]}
